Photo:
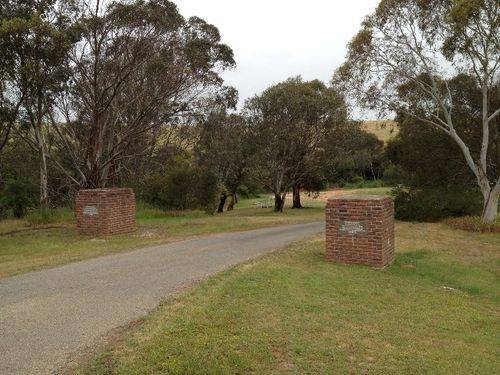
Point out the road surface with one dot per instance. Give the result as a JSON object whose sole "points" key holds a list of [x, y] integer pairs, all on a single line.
{"points": [[49, 317]]}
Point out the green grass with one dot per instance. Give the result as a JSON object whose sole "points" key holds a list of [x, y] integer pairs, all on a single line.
{"points": [[55, 241], [435, 310]]}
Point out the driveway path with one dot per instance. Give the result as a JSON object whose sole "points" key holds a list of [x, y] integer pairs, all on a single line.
{"points": [[48, 317]]}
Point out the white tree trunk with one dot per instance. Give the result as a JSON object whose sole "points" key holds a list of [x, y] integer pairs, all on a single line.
{"points": [[490, 204], [44, 183], [490, 211]]}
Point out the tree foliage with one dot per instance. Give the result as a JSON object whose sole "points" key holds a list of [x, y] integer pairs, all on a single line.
{"points": [[440, 183], [225, 147], [354, 153], [139, 67], [423, 44], [291, 122], [95, 86], [35, 38]]}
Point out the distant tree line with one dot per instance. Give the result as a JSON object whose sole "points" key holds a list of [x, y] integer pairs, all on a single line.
{"points": [[289, 139]]}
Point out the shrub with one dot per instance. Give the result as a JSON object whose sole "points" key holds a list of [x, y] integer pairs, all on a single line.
{"points": [[357, 180], [339, 184], [394, 174], [473, 224], [249, 190], [207, 190], [244, 191], [182, 189], [178, 190], [434, 204], [18, 196]]}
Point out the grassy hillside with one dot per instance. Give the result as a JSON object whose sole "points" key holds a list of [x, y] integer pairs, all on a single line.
{"points": [[383, 129]]}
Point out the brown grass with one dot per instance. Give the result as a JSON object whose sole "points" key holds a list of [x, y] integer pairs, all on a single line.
{"points": [[473, 224], [385, 130]]}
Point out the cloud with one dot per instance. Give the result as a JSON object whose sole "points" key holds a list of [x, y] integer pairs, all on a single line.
{"points": [[276, 39]]}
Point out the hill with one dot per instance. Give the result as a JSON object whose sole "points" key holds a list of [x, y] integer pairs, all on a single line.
{"points": [[383, 129]]}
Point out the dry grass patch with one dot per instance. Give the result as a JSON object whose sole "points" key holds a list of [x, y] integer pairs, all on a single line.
{"points": [[473, 224], [385, 130]]}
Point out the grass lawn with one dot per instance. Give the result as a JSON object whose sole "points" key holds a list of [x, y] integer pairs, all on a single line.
{"points": [[436, 310], [24, 248]]}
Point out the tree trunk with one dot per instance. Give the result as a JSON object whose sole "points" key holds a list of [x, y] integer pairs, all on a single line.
{"points": [[279, 202], [44, 184], [222, 203], [490, 206], [232, 202], [95, 178], [296, 197]]}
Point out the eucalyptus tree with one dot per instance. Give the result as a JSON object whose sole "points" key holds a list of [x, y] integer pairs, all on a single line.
{"points": [[424, 43], [139, 67], [8, 115], [35, 37], [11, 93], [291, 122], [225, 146], [430, 158]]}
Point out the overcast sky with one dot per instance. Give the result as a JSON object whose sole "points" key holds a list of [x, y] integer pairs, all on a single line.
{"points": [[276, 39]]}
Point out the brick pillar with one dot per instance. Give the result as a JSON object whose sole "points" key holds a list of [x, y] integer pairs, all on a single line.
{"points": [[104, 212], [360, 230]]}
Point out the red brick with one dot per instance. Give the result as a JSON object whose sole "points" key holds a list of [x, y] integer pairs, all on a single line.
{"points": [[373, 217], [104, 212]]}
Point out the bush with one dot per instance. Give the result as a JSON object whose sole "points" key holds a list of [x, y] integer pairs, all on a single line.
{"points": [[473, 224], [207, 191], [182, 189], [435, 204], [17, 197], [249, 190], [357, 180], [394, 175], [339, 184]]}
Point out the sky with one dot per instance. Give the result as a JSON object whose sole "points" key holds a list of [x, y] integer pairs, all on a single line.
{"points": [[273, 40]]}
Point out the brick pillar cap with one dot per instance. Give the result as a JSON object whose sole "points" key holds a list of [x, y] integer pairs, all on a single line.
{"points": [[104, 190], [359, 197]]}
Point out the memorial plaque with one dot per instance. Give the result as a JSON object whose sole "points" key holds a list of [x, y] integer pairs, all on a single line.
{"points": [[352, 227], [90, 210]]}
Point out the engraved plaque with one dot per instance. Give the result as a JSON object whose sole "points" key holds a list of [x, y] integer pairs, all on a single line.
{"points": [[352, 227], [90, 210]]}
